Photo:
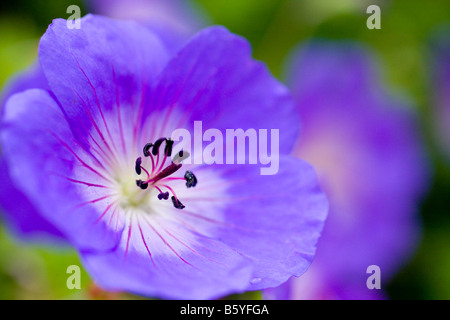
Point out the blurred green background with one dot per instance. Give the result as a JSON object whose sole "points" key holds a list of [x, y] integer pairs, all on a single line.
{"points": [[273, 27]]}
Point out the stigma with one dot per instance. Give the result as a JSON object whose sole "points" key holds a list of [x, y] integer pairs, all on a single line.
{"points": [[159, 176]]}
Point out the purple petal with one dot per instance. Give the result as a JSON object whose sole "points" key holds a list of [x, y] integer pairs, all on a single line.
{"points": [[177, 20], [31, 78], [239, 231], [311, 286], [103, 70], [281, 218], [213, 79], [20, 214], [46, 168], [17, 210], [179, 15]]}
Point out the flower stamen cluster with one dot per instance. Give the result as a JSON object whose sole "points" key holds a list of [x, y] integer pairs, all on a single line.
{"points": [[158, 177]]}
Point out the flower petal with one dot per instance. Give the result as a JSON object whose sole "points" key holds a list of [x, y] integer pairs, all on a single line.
{"points": [[214, 79], [31, 78], [317, 287], [100, 72], [19, 213], [239, 231], [281, 216], [176, 20]]}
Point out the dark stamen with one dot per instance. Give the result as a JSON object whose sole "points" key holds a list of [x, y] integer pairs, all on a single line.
{"points": [[138, 165], [141, 184], [191, 179], [168, 148], [146, 148], [158, 174], [163, 195], [177, 203], [156, 146]]}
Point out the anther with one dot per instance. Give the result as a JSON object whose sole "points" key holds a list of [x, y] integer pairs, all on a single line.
{"points": [[191, 179], [141, 184], [156, 146], [163, 195], [177, 203], [138, 165], [168, 148], [147, 148]]}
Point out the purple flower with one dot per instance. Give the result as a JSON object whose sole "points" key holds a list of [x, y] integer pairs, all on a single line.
{"points": [[91, 154], [440, 77], [366, 147], [18, 212], [177, 20], [181, 14]]}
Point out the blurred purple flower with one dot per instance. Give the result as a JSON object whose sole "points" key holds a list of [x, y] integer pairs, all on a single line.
{"points": [[440, 78], [70, 146], [366, 148], [178, 20]]}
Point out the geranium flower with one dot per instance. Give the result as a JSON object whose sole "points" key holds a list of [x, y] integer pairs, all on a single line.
{"points": [[93, 155], [440, 80], [366, 146], [176, 20], [181, 15]]}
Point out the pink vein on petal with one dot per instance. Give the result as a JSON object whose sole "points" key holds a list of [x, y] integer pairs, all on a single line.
{"points": [[167, 244]]}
